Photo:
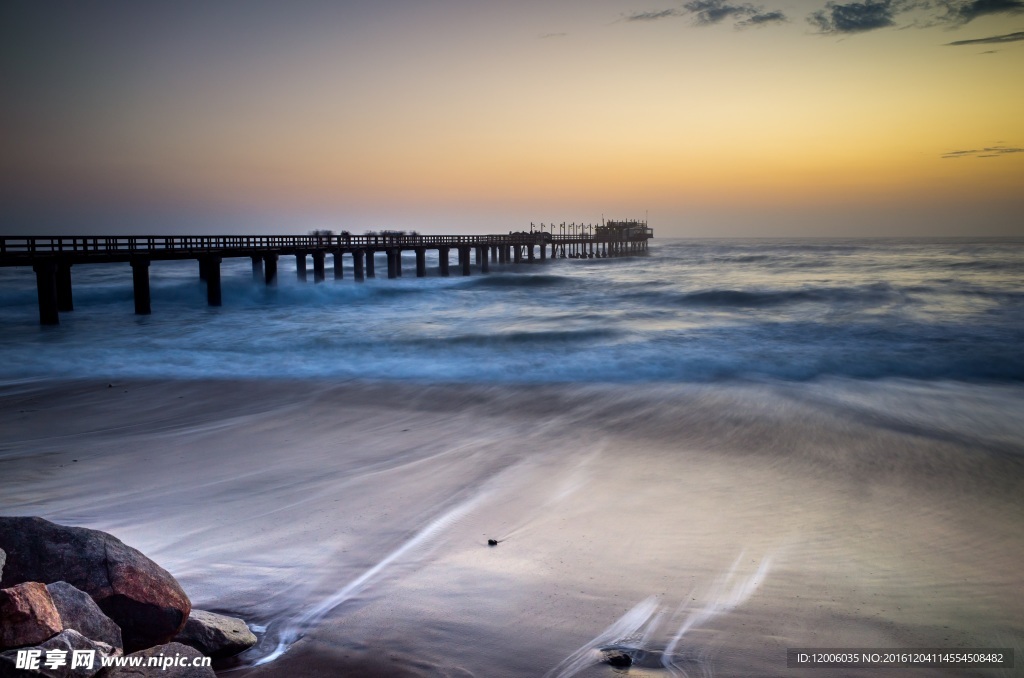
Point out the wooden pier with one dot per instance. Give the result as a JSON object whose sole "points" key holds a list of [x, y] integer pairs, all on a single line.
{"points": [[52, 257]]}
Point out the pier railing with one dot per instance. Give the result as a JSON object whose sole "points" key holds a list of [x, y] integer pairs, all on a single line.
{"points": [[16, 247]]}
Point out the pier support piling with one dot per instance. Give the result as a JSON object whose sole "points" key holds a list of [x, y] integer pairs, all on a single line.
{"points": [[46, 286], [421, 262], [257, 268], [64, 298], [443, 260], [270, 269], [140, 284], [318, 266], [357, 265], [370, 272], [213, 296], [339, 265], [464, 259], [392, 254], [300, 266]]}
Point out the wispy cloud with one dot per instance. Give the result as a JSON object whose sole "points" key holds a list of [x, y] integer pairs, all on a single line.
{"points": [[709, 12], [654, 15], [763, 19], [991, 40], [987, 152], [853, 17], [547, 36]]}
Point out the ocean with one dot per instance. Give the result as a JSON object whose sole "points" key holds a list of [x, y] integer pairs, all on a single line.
{"points": [[692, 311], [701, 458]]}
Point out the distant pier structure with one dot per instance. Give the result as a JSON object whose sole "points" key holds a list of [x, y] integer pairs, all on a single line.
{"points": [[52, 257]]}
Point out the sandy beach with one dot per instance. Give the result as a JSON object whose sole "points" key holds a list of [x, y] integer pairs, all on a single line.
{"points": [[713, 527]]}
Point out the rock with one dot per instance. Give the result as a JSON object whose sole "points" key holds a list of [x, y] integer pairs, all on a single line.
{"points": [[216, 635], [80, 612], [27, 615], [139, 595], [617, 658], [180, 653], [3, 557], [67, 641]]}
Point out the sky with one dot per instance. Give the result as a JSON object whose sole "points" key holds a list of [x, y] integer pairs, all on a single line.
{"points": [[707, 117]]}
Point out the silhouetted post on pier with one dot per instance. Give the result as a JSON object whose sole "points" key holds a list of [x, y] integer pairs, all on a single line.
{"points": [[481, 259], [318, 266], [140, 285], [398, 261], [421, 262], [369, 263], [270, 269], [300, 266], [443, 260], [339, 266], [257, 267], [464, 259], [392, 264], [357, 265], [46, 286], [213, 296], [64, 300]]}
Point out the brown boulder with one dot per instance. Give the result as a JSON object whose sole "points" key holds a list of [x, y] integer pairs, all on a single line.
{"points": [[139, 595], [65, 642], [27, 615], [183, 656]]}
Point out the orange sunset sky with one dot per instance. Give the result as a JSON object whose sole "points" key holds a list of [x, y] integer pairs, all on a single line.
{"points": [[714, 117]]}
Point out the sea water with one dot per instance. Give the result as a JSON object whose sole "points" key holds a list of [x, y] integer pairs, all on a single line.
{"points": [[689, 311]]}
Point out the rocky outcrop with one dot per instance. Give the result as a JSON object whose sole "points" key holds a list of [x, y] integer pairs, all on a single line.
{"points": [[65, 643], [216, 635], [27, 615], [182, 655], [140, 596], [3, 558], [80, 612]]}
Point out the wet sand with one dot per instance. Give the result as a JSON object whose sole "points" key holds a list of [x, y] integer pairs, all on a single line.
{"points": [[712, 527]]}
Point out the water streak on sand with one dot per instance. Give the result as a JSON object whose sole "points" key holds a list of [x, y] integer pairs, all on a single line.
{"points": [[293, 629], [634, 632]]}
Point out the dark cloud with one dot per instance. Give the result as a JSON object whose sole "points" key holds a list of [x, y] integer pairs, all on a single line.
{"points": [[992, 40], [762, 19], [987, 152], [654, 15], [708, 12], [962, 12], [854, 17]]}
